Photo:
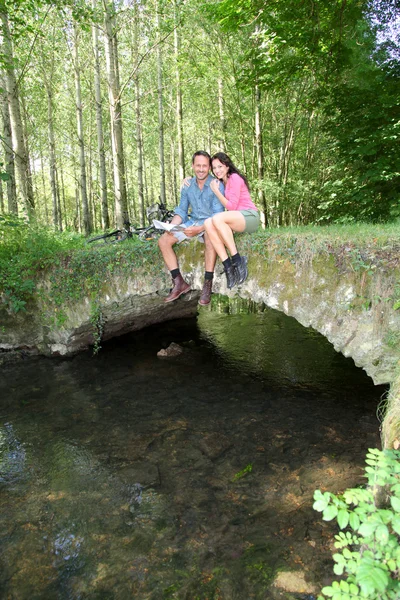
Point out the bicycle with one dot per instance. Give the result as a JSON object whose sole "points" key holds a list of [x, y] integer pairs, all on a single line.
{"points": [[156, 211]]}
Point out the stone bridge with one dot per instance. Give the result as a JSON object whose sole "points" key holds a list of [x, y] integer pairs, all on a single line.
{"points": [[353, 306]]}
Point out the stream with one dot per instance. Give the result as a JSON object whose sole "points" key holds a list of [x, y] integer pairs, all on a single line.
{"points": [[129, 476]]}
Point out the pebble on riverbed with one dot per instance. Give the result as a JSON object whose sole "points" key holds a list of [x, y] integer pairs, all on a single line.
{"points": [[172, 350]]}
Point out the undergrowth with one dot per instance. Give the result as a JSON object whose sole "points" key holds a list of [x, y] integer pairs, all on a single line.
{"points": [[26, 251], [368, 551], [362, 237], [74, 269]]}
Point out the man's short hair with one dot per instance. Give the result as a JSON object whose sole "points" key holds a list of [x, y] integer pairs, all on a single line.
{"points": [[201, 153]]}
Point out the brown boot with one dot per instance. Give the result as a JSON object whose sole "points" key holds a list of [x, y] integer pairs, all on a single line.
{"points": [[180, 287], [205, 297]]}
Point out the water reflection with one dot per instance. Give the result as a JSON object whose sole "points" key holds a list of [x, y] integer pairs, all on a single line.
{"points": [[268, 343], [126, 476], [12, 456]]}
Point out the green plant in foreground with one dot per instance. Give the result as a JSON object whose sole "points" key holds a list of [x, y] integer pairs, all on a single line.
{"points": [[98, 321], [369, 551], [243, 472]]}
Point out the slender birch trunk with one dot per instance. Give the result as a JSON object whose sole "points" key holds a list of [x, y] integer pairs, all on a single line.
{"points": [[62, 209], [160, 108], [12, 204], [82, 156], [46, 211], [52, 157], [1, 197], [25, 120], [139, 149], [221, 107], [139, 139], [260, 156], [105, 221], [121, 206], [62, 186], [173, 176], [179, 109], [17, 130]]}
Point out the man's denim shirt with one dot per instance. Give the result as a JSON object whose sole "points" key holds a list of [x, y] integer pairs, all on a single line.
{"points": [[197, 205]]}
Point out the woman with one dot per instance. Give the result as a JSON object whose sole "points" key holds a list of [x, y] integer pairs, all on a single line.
{"points": [[241, 215]]}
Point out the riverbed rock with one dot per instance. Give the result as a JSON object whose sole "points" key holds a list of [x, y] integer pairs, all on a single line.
{"points": [[170, 352], [294, 581]]}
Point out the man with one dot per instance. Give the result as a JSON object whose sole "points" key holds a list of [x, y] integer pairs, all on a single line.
{"points": [[198, 202]]}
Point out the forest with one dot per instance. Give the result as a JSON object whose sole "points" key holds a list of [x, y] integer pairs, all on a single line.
{"points": [[105, 101]]}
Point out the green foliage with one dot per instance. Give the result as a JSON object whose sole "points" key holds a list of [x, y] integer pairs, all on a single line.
{"points": [[26, 250], [243, 472], [369, 550], [328, 101], [359, 262], [292, 39], [76, 270], [329, 74], [363, 117], [3, 175], [98, 321]]}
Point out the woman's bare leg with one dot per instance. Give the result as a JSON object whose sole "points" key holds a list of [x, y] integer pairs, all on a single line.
{"points": [[225, 224], [215, 239]]}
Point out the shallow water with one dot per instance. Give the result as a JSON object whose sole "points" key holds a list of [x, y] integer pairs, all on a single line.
{"points": [[129, 476]]}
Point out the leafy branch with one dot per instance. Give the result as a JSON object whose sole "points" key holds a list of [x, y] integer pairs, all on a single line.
{"points": [[369, 550]]}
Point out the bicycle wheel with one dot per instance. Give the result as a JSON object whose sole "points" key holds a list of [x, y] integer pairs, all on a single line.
{"points": [[109, 238], [149, 233], [121, 237]]}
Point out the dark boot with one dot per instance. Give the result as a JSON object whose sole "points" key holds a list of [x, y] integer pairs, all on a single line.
{"points": [[241, 270], [205, 297], [231, 276], [180, 287]]}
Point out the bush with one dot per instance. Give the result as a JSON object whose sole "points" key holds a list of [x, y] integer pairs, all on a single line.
{"points": [[25, 251], [369, 551]]}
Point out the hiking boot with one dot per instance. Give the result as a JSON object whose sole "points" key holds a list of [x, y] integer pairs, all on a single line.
{"points": [[180, 287], [241, 270], [205, 297], [231, 276]]}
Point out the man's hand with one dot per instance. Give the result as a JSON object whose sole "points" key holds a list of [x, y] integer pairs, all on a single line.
{"points": [[176, 220], [194, 230]]}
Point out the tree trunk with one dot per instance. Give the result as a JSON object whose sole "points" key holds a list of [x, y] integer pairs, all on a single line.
{"points": [[1, 197], [12, 204], [260, 156], [17, 130], [221, 108], [61, 197], [62, 209], [82, 157], [179, 110], [52, 157], [139, 149], [105, 221], [25, 120], [139, 140], [160, 108], [121, 206], [46, 211]]}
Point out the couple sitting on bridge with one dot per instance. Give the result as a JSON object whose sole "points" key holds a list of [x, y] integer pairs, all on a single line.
{"points": [[206, 197]]}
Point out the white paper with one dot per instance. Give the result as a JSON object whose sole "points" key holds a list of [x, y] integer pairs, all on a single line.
{"points": [[167, 226]]}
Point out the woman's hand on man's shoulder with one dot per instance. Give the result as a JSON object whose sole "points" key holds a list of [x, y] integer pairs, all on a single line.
{"points": [[186, 182]]}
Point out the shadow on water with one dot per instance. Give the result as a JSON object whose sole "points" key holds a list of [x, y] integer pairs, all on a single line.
{"points": [[128, 476]]}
